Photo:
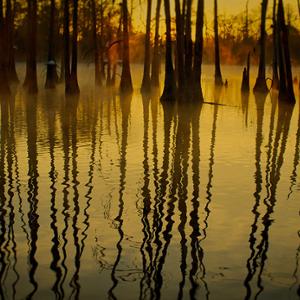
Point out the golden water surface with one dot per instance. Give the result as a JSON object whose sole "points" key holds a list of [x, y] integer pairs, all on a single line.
{"points": [[111, 197]]}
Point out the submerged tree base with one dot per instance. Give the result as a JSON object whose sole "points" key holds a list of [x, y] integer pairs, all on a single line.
{"points": [[72, 87], [261, 86]]}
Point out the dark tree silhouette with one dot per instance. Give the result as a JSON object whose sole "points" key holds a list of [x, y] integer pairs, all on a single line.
{"points": [[218, 74], [126, 81], [74, 88], [156, 54], [275, 80], [261, 85], [146, 83], [188, 60], [30, 82], [98, 79], [198, 50], [169, 85], [66, 37], [286, 88], [11, 67], [4, 86], [51, 77]]}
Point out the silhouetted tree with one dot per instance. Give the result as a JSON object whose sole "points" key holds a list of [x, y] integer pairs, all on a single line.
{"points": [[30, 82], [169, 85], [246, 77], [51, 77], [261, 85], [156, 55], [188, 60], [146, 83], [66, 37], [275, 79], [218, 74], [11, 67], [98, 79], [198, 51], [126, 82], [4, 87], [286, 88]]}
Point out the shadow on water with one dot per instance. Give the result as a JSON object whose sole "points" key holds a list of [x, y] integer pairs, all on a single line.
{"points": [[277, 142], [125, 103]]}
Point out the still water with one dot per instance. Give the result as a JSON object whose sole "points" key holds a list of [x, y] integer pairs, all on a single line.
{"points": [[109, 197]]}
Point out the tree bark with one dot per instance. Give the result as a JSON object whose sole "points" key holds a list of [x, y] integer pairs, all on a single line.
{"points": [[169, 93], [30, 82], [126, 81], [67, 45], [146, 83], [218, 74], [198, 51], [188, 43], [51, 76], [261, 85], [156, 55]]}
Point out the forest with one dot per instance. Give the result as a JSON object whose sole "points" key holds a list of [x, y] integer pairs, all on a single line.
{"points": [[61, 34]]}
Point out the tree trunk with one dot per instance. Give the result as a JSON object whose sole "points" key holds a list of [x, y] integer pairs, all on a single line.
{"points": [[126, 82], [286, 89], [218, 75], [156, 55], [170, 85], [4, 86], [261, 85], [246, 77], [198, 51], [51, 77], [98, 79], [146, 83], [275, 81], [188, 43], [179, 47], [11, 68], [74, 88], [30, 82]]}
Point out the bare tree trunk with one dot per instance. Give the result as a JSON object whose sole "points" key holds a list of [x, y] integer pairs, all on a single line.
{"points": [[67, 45], [51, 77], [218, 74], [146, 83], [261, 85], [246, 77], [4, 86], [30, 82], [275, 81], [74, 88], [198, 51], [156, 55], [286, 89], [188, 43], [11, 68], [98, 79], [169, 93], [179, 46], [126, 82]]}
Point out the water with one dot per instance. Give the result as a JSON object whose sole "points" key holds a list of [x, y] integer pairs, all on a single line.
{"points": [[106, 197]]}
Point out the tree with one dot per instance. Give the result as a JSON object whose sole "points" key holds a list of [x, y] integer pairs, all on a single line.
{"points": [[286, 88], [188, 61], [156, 55], [98, 79], [275, 80], [51, 77], [30, 82], [4, 86], [126, 81], [261, 85], [218, 75], [198, 51], [169, 85], [66, 38], [11, 67], [146, 83]]}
